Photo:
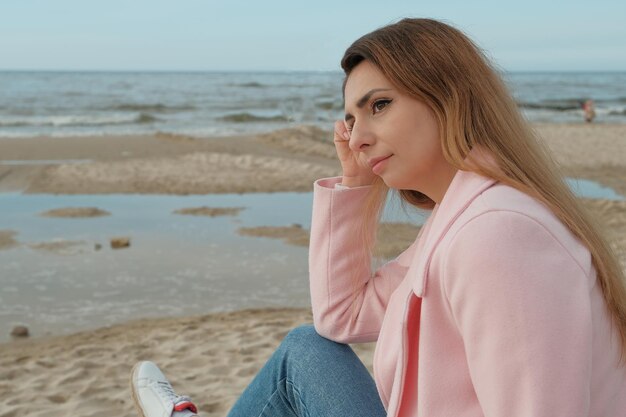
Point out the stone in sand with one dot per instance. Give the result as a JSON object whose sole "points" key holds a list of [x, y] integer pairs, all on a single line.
{"points": [[120, 242], [20, 331]]}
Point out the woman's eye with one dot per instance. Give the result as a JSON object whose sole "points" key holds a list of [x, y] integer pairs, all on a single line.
{"points": [[380, 105]]}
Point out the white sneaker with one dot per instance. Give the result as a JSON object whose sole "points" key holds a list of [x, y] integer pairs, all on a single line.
{"points": [[154, 395]]}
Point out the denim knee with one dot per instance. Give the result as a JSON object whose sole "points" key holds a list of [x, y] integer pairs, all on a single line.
{"points": [[305, 336]]}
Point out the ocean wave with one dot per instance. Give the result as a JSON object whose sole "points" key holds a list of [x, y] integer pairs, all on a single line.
{"points": [[617, 112], [252, 84], [329, 105], [618, 100], [248, 117], [73, 94], [606, 101], [145, 118], [156, 108], [76, 120], [557, 105]]}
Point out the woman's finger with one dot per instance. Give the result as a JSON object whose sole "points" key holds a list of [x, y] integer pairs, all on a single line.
{"points": [[341, 131]]}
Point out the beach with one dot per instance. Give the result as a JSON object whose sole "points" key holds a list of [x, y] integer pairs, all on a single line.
{"points": [[284, 160], [212, 357]]}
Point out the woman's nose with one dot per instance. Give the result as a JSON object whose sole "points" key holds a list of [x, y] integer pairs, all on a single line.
{"points": [[360, 139]]}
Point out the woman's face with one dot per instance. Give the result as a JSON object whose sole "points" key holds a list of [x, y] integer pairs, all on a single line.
{"points": [[383, 122]]}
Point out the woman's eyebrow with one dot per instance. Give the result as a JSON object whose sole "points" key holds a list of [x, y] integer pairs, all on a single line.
{"points": [[364, 100]]}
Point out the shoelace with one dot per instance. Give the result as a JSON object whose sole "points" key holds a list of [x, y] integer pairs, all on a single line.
{"points": [[167, 392]]}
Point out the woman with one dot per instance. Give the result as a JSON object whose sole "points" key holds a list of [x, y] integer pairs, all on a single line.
{"points": [[509, 303]]}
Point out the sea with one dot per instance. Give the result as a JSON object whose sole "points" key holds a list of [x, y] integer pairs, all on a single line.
{"points": [[216, 104]]}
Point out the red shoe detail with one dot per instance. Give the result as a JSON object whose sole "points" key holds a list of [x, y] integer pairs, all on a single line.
{"points": [[186, 405]]}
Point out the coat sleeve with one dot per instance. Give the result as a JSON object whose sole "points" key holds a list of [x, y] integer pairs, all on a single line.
{"points": [[522, 306], [338, 265]]}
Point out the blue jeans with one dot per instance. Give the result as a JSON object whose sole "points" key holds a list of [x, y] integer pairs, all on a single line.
{"points": [[310, 376]]}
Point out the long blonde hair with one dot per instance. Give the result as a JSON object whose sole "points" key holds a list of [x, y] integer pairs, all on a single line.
{"points": [[440, 66]]}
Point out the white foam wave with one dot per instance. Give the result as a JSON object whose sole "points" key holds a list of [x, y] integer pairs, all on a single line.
{"points": [[75, 120]]}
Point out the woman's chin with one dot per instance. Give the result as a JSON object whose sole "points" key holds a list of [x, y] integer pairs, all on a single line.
{"points": [[390, 183]]}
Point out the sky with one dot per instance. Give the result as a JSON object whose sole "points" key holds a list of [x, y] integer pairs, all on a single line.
{"points": [[281, 35]]}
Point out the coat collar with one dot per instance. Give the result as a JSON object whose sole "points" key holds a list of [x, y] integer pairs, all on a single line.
{"points": [[463, 189]]}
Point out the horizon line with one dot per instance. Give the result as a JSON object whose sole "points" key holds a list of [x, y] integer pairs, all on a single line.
{"points": [[276, 70]]}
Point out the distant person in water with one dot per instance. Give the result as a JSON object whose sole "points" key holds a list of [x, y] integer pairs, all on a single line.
{"points": [[589, 110]]}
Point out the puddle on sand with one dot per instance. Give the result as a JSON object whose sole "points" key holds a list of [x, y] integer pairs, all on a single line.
{"points": [[176, 264], [592, 189]]}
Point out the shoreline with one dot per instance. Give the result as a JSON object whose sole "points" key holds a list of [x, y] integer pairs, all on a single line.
{"points": [[284, 160], [29, 344]]}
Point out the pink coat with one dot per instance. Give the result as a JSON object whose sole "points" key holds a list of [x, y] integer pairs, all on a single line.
{"points": [[493, 311]]}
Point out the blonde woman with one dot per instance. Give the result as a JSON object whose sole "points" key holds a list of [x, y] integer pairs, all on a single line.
{"points": [[508, 304]]}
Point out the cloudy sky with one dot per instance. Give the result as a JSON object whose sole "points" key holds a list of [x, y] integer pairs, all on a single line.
{"points": [[279, 35]]}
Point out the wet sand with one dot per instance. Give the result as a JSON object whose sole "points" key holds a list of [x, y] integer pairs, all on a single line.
{"points": [[168, 164], [392, 238], [285, 160], [210, 211], [73, 212]]}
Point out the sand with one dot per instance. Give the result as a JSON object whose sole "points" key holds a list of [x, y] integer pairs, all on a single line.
{"points": [[285, 160], [595, 152], [168, 164], [57, 246], [7, 239], [210, 211], [392, 238], [73, 212], [212, 357], [62, 247], [293, 235]]}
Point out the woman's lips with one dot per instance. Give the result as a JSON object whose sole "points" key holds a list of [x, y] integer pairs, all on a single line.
{"points": [[379, 164]]}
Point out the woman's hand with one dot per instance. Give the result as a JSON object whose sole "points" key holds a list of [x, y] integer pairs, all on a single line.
{"points": [[355, 172]]}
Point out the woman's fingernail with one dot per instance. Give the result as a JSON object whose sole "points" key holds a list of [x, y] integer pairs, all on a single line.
{"points": [[346, 136]]}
